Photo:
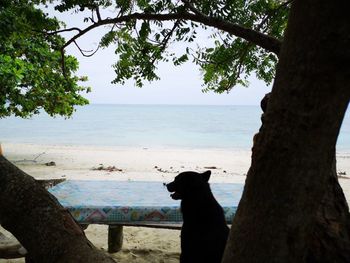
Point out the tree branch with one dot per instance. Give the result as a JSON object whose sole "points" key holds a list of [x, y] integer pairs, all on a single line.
{"points": [[35, 217], [239, 31], [83, 52], [98, 14], [64, 30], [264, 41], [167, 38]]}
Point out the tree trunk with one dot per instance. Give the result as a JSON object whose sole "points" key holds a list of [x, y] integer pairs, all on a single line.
{"points": [[39, 222], [292, 208], [330, 239]]}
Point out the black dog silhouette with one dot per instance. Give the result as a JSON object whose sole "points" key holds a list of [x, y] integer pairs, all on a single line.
{"points": [[204, 231]]}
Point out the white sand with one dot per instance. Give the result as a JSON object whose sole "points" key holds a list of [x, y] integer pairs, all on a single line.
{"points": [[145, 164], [76, 162]]}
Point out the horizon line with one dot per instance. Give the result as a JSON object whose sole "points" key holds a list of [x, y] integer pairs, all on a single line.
{"points": [[168, 104]]}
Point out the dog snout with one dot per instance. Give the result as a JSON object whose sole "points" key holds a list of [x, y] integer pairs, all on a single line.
{"points": [[170, 187]]}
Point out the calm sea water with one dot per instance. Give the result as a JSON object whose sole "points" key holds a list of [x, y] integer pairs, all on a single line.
{"points": [[147, 126]]}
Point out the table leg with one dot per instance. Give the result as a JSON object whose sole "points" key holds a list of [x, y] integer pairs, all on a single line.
{"points": [[115, 238]]}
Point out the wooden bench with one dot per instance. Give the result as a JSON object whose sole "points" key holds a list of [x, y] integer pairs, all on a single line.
{"points": [[132, 203]]}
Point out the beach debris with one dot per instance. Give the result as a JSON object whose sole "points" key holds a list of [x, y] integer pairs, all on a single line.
{"points": [[210, 167], [342, 175], [173, 170], [101, 167], [31, 161], [224, 171], [161, 170], [52, 163]]}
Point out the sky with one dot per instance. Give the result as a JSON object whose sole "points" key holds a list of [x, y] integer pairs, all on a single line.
{"points": [[177, 85]]}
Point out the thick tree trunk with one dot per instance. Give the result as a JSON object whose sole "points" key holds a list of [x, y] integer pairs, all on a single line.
{"points": [[39, 222], [330, 238], [292, 208]]}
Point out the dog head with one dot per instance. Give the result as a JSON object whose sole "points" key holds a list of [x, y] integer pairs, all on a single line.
{"points": [[186, 183]]}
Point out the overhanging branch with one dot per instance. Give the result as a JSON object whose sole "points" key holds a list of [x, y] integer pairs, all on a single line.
{"points": [[264, 41]]}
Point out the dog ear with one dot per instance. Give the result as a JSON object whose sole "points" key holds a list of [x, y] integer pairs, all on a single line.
{"points": [[206, 175]]}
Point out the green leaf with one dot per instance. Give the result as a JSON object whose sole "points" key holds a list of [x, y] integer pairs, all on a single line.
{"points": [[31, 65]]}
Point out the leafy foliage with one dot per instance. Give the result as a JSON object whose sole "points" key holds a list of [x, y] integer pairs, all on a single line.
{"points": [[232, 60], [31, 72], [225, 62], [35, 74]]}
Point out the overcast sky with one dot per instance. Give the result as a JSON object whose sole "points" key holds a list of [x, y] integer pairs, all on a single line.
{"points": [[178, 85]]}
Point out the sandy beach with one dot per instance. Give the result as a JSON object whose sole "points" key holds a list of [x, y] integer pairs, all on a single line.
{"points": [[139, 164]]}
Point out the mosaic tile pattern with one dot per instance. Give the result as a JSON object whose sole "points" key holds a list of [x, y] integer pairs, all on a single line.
{"points": [[108, 202]]}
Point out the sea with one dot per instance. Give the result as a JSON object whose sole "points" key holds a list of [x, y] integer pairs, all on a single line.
{"points": [[158, 126]]}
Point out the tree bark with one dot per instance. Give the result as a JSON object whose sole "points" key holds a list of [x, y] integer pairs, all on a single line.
{"points": [[292, 208], [40, 223], [330, 238]]}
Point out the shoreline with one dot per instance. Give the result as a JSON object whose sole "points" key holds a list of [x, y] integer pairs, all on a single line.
{"points": [[8, 145]]}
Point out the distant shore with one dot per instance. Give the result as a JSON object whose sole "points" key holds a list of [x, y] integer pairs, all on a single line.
{"points": [[143, 164]]}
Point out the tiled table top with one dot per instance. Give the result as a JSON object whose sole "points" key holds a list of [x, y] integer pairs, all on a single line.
{"points": [[108, 202]]}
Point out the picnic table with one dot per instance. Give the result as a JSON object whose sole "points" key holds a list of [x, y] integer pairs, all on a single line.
{"points": [[132, 203]]}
